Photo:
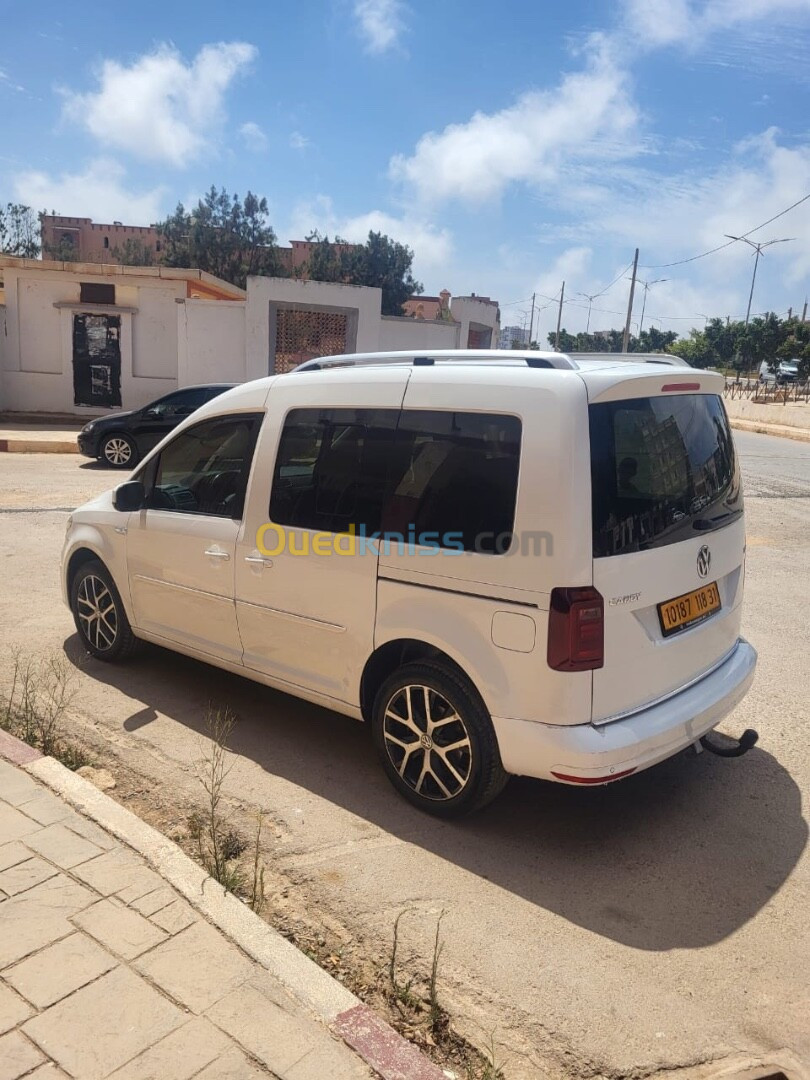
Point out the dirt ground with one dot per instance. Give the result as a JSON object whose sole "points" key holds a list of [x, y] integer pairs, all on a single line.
{"points": [[652, 925]]}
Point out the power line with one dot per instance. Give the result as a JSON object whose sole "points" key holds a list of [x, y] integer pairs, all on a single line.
{"points": [[694, 258]]}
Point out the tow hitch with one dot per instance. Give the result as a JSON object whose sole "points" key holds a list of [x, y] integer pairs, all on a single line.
{"points": [[746, 742]]}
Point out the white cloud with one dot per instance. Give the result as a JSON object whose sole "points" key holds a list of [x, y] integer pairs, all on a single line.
{"points": [[689, 22], [432, 246], [9, 83], [160, 108], [380, 23], [99, 192], [253, 136], [589, 116], [299, 141]]}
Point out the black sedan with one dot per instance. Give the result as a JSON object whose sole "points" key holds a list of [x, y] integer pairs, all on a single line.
{"points": [[121, 438]]}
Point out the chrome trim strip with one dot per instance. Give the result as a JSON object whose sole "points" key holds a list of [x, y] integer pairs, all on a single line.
{"points": [[672, 693]]}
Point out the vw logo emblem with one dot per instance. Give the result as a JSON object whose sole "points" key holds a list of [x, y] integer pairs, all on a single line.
{"points": [[704, 561]]}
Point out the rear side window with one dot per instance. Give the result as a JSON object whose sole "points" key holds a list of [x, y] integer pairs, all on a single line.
{"points": [[439, 478], [663, 469], [204, 469], [458, 487]]}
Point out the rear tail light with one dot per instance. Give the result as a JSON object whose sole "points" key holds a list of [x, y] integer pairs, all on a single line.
{"points": [[576, 629]]}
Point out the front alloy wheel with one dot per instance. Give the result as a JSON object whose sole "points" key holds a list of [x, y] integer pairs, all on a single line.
{"points": [[435, 740], [99, 614], [118, 451], [96, 612]]}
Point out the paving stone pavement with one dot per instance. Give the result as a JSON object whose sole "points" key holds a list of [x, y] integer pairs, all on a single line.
{"points": [[105, 971]]}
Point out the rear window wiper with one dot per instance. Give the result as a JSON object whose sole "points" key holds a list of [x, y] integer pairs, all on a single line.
{"points": [[704, 524]]}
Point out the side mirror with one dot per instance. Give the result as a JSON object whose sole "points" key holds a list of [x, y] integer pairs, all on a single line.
{"points": [[129, 496], [150, 414]]}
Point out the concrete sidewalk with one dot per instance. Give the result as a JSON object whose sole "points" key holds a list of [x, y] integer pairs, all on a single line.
{"points": [[106, 970], [38, 439]]}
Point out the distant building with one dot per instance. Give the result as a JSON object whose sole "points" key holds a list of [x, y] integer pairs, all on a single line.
{"points": [[80, 239], [513, 337], [479, 315]]}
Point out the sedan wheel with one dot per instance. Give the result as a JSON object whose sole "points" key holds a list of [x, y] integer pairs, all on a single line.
{"points": [[119, 451]]}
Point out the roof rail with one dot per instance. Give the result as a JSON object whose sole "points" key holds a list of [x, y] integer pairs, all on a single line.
{"points": [[429, 357]]}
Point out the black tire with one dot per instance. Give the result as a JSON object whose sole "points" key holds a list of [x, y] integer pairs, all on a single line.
{"points": [[118, 451], [105, 633], [421, 769]]}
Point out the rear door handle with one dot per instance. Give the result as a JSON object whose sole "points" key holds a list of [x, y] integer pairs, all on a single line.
{"points": [[217, 553], [258, 560]]}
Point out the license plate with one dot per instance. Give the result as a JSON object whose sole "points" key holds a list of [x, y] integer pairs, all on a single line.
{"points": [[684, 611]]}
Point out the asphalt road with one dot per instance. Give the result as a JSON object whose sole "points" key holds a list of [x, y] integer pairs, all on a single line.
{"points": [[655, 924]]}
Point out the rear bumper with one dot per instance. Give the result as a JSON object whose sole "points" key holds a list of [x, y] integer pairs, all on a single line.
{"points": [[586, 754]]}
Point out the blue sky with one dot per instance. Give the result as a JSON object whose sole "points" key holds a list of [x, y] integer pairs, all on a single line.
{"points": [[511, 146]]}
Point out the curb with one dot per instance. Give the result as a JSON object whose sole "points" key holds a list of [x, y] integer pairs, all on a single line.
{"points": [[38, 446], [778, 430], [371, 1038]]}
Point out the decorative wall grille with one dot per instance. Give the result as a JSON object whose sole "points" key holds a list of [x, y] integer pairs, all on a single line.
{"points": [[302, 334]]}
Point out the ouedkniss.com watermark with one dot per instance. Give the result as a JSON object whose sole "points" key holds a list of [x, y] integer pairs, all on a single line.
{"points": [[273, 540]]}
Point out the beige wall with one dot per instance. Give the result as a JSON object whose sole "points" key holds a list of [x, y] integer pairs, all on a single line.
{"points": [[211, 341], [363, 305], [37, 362], [400, 332]]}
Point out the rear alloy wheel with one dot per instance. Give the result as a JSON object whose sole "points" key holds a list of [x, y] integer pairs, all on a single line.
{"points": [[99, 614], [435, 740], [119, 451]]}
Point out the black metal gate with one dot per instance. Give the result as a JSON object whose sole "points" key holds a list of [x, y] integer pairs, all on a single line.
{"points": [[97, 360]]}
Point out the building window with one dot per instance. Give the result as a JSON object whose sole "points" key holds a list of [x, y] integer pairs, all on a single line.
{"points": [[157, 246], [92, 293], [106, 241]]}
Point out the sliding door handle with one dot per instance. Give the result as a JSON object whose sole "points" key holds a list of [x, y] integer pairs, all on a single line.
{"points": [[217, 553], [258, 560]]}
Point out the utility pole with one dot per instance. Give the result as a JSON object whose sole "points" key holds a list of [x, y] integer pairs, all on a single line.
{"points": [[590, 300], [646, 285], [531, 322], [559, 318], [758, 249], [626, 338], [804, 312], [790, 313]]}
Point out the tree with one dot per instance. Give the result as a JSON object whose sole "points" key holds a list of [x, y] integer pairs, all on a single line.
{"points": [[385, 264], [222, 235], [134, 253], [19, 231], [381, 263], [328, 260]]}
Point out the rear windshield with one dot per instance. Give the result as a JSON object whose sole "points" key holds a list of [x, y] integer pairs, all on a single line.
{"points": [[663, 470]]}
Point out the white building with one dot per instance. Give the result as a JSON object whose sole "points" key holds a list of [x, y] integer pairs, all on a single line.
{"points": [[513, 337], [84, 338]]}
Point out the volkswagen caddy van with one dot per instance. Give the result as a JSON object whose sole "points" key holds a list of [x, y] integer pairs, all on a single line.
{"points": [[503, 563]]}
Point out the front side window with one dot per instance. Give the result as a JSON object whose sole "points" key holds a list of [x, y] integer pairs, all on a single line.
{"points": [[663, 469], [204, 470], [430, 477]]}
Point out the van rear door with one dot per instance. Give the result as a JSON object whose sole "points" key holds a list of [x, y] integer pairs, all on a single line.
{"points": [[668, 536]]}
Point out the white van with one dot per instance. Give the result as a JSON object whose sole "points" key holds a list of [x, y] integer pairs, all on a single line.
{"points": [[504, 563]]}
